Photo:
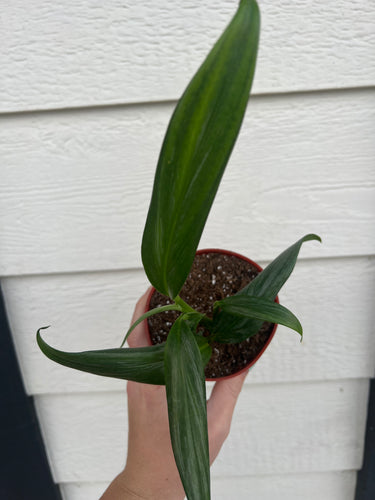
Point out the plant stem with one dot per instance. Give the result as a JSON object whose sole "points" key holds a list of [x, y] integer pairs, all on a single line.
{"points": [[183, 305], [170, 307], [205, 321]]}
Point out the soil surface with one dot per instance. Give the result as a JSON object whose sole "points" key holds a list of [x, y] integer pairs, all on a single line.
{"points": [[213, 277]]}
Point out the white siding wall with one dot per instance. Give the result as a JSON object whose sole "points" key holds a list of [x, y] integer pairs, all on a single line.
{"points": [[86, 90]]}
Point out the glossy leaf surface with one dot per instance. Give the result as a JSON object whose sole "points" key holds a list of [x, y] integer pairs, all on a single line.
{"points": [[143, 364], [266, 285], [205, 348], [196, 149], [148, 314], [186, 396], [269, 282], [228, 311]]}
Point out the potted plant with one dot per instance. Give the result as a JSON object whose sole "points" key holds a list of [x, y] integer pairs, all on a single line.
{"points": [[215, 275], [195, 151]]}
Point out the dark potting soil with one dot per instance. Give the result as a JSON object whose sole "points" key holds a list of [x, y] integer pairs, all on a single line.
{"points": [[213, 277]]}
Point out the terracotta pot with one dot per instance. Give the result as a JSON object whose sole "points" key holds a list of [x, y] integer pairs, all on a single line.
{"points": [[257, 266]]}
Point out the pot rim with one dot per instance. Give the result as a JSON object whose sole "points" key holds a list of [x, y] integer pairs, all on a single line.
{"points": [[259, 268]]}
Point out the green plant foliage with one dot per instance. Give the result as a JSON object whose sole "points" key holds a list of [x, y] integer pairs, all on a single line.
{"points": [[244, 306], [266, 285], [196, 149], [205, 349], [142, 364], [197, 146], [186, 397], [148, 314], [269, 282]]}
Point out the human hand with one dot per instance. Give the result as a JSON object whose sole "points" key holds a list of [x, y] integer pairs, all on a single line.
{"points": [[151, 472]]}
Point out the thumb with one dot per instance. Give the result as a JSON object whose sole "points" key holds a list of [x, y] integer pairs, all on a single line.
{"points": [[139, 337]]}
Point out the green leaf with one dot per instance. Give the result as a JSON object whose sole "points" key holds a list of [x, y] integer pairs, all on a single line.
{"points": [[240, 306], [196, 149], [205, 348], [148, 314], [266, 285], [186, 396], [143, 364], [269, 282]]}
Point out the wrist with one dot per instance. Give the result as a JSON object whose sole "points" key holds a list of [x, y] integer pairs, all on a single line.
{"points": [[119, 490], [134, 485]]}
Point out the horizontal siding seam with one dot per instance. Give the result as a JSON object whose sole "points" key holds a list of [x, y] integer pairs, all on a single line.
{"points": [[248, 386], [83, 272], [146, 103]]}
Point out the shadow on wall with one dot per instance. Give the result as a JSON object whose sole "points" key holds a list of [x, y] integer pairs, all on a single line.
{"points": [[24, 469]]}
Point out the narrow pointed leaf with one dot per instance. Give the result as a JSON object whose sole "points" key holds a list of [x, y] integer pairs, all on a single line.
{"points": [[269, 282], [266, 285], [196, 149], [148, 314], [205, 348], [186, 396], [143, 364], [228, 311]]}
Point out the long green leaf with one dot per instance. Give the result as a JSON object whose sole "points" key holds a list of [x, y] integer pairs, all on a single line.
{"points": [[186, 396], [240, 306], [143, 364], [269, 282], [196, 149], [148, 314], [266, 285], [205, 349]]}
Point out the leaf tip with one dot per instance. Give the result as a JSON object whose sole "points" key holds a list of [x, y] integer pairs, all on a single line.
{"points": [[42, 328], [313, 236], [39, 339], [301, 334]]}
